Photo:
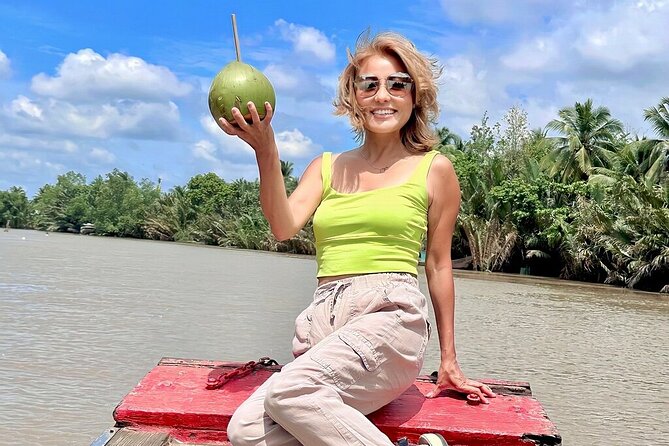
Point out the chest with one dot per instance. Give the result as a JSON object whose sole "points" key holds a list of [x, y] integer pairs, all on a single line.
{"points": [[353, 176]]}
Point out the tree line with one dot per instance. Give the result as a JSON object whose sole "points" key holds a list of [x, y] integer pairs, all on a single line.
{"points": [[588, 202]]}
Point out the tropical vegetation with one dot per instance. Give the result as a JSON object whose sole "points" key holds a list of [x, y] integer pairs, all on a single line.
{"points": [[581, 199]]}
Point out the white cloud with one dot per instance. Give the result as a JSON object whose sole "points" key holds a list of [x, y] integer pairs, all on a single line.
{"points": [[300, 84], [88, 76], [291, 144], [24, 107], [612, 52], [294, 144], [5, 68], [504, 11], [614, 39], [205, 150], [230, 145], [626, 35], [29, 143], [540, 53], [307, 40], [463, 87], [101, 156], [208, 152], [135, 119], [15, 161]]}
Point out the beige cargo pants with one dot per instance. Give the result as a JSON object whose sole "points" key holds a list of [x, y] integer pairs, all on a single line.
{"points": [[358, 346]]}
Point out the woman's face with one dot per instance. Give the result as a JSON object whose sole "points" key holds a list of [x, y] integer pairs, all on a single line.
{"points": [[385, 110]]}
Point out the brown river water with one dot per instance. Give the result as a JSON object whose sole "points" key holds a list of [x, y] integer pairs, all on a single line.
{"points": [[83, 318]]}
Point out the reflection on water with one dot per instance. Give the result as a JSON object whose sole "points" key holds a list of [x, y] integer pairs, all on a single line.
{"points": [[82, 319]]}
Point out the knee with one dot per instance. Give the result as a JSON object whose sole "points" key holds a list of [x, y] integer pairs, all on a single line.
{"points": [[240, 430], [286, 393]]}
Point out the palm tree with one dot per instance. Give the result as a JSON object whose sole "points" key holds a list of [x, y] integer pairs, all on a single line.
{"points": [[586, 140], [174, 217], [659, 157], [659, 117], [449, 139], [288, 179]]}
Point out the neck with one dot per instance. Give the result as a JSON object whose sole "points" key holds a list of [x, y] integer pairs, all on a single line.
{"points": [[382, 146]]}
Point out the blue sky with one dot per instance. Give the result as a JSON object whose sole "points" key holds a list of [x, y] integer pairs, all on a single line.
{"points": [[93, 86]]}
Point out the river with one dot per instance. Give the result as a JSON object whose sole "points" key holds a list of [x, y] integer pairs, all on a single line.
{"points": [[83, 318]]}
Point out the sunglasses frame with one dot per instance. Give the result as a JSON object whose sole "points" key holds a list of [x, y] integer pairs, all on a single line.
{"points": [[395, 77]]}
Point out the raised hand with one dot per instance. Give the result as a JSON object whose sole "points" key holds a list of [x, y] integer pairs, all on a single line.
{"points": [[258, 133]]}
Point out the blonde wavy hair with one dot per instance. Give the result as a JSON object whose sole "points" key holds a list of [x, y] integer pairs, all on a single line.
{"points": [[418, 134]]}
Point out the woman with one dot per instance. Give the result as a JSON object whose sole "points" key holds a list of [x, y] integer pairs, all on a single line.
{"points": [[360, 343]]}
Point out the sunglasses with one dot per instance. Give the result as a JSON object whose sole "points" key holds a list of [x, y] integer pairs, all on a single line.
{"points": [[397, 84]]}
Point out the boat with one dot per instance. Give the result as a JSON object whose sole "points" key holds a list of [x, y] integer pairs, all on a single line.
{"points": [[190, 402], [87, 228]]}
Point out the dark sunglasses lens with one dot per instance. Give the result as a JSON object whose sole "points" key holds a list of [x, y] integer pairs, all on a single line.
{"points": [[367, 87], [398, 88]]}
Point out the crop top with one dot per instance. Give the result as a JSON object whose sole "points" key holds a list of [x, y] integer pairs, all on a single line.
{"points": [[375, 231]]}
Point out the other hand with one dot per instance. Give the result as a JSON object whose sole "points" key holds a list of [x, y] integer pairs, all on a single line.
{"points": [[451, 377]]}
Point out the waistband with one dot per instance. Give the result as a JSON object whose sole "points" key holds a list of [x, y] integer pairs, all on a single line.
{"points": [[366, 281]]}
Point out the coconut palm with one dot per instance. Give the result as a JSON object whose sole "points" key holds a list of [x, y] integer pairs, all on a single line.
{"points": [[173, 218], [622, 235], [644, 160], [659, 117], [586, 139], [449, 139], [286, 168], [490, 240]]}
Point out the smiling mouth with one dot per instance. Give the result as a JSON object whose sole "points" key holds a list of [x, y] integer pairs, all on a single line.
{"points": [[383, 112]]}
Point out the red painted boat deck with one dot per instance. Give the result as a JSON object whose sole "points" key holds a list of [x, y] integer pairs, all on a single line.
{"points": [[173, 399]]}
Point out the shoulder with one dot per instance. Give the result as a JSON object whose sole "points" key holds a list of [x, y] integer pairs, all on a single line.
{"points": [[316, 165], [441, 169], [343, 156], [442, 180], [313, 169]]}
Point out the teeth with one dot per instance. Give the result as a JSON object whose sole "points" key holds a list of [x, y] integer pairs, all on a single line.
{"points": [[383, 112]]}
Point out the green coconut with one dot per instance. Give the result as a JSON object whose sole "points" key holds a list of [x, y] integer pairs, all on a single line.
{"points": [[234, 86]]}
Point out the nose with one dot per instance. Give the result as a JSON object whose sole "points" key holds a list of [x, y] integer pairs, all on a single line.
{"points": [[382, 94]]}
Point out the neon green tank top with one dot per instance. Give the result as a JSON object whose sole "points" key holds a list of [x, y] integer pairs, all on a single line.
{"points": [[376, 231]]}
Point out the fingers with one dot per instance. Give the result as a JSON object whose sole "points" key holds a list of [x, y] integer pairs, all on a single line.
{"points": [[478, 390], [241, 123], [239, 118], [269, 112], [255, 116], [227, 127]]}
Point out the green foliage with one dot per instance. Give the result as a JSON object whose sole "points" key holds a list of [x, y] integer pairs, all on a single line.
{"points": [[526, 204], [14, 208], [623, 238], [658, 116], [173, 217], [589, 204], [118, 205], [62, 206], [587, 137], [207, 193]]}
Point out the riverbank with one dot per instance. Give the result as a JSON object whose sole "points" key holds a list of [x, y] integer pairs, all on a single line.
{"points": [[480, 275]]}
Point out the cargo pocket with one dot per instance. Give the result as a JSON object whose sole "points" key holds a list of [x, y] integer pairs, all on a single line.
{"points": [[302, 338], [362, 347], [347, 358]]}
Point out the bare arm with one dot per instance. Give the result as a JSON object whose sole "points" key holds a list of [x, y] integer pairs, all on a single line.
{"points": [[286, 216], [444, 192]]}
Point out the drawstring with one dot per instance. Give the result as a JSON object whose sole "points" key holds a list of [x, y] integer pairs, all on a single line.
{"points": [[337, 290]]}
